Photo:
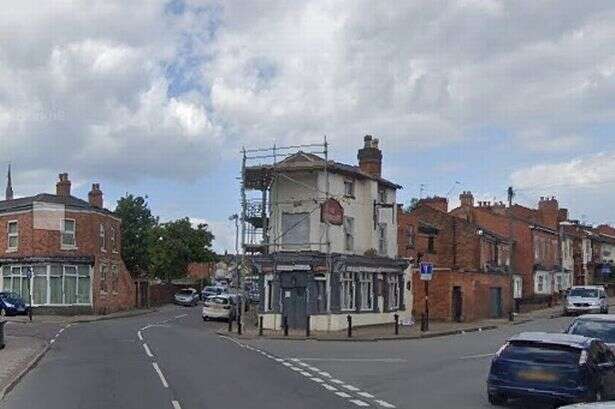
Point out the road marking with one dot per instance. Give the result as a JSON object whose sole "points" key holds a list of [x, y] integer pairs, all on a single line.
{"points": [[359, 402], [317, 380], [302, 363], [477, 356], [147, 351], [351, 388], [57, 335], [176, 404], [180, 316], [311, 368], [384, 404], [295, 360], [325, 374], [294, 368], [329, 387], [343, 395], [279, 360], [366, 395], [159, 372], [337, 381], [61, 330], [52, 341], [389, 360], [287, 364], [140, 335]]}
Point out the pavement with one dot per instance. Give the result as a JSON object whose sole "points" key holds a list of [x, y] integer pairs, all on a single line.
{"points": [[172, 359]]}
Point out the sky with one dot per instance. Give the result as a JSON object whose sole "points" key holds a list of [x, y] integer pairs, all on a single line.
{"points": [[157, 98]]}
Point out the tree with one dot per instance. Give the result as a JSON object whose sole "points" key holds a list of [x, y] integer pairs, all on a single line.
{"points": [[414, 203], [176, 244], [137, 229]]}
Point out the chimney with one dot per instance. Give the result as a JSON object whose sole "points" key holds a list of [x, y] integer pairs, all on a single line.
{"points": [[466, 199], [436, 202], [563, 215], [63, 186], [95, 196], [370, 157], [548, 211], [9, 185]]}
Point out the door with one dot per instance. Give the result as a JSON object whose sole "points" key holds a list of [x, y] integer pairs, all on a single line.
{"points": [[495, 302], [294, 301], [457, 304]]}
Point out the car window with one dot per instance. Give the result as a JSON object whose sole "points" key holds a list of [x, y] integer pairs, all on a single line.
{"points": [[185, 292], [584, 292], [218, 300], [604, 330], [541, 353]]}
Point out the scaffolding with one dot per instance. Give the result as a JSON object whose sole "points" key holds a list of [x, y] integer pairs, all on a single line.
{"points": [[261, 169]]}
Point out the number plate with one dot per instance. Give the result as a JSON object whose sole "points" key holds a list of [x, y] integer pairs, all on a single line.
{"points": [[540, 376]]}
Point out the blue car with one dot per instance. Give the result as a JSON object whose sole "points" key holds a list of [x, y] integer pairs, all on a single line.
{"points": [[12, 304], [554, 368]]}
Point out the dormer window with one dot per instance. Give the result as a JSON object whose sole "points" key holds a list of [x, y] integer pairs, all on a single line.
{"points": [[13, 235], [349, 188]]}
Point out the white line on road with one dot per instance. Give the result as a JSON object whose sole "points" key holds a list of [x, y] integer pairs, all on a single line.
{"points": [[366, 395], [477, 356], [359, 402], [147, 351], [181, 316], [61, 330], [343, 395], [140, 335], [159, 372], [287, 364], [52, 341], [329, 387], [389, 360], [176, 404], [318, 380], [384, 404], [325, 374], [337, 381], [351, 388], [279, 360], [306, 374]]}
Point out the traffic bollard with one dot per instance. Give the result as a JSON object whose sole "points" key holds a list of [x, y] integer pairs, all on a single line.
{"points": [[239, 323], [307, 326], [2, 323], [423, 323], [230, 324], [260, 326], [285, 323], [396, 324], [349, 319]]}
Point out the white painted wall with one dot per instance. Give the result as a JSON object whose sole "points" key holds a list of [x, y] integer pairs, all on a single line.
{"points": [[288, 196]]}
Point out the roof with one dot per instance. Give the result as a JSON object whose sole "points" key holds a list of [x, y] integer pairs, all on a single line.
{"points": [[575, 341], [71, 202], [598, 317], [301, 161]]}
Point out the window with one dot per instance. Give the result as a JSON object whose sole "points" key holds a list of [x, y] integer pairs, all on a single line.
{"points": [[104, 269], [349, 233], [347, 302], [269, 295], [39, 285], [431, 247], [13, 236], [366, 289], [103, 238], [68, 233], [321, 294], [295, 229], [382, 195], [348, 188], [382, 239], [541, 283], [115, 278], [14, 279], [393, 291], [70, 284], [113, 240], [517, 287]]}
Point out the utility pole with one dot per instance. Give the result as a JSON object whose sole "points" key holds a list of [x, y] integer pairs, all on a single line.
{"points": [[511, 194], [235, 217]]}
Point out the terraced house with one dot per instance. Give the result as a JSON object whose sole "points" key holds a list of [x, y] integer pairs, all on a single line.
{"points": [[63, 251]]}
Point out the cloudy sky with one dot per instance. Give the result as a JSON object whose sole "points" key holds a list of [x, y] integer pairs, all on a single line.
{"points": [[158, 97]]}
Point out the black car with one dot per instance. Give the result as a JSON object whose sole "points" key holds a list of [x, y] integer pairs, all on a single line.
{"points": [[555, 368], [12, 304]]}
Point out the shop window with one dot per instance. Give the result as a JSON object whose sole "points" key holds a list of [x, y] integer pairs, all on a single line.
{"points": [[367, 291], [347, 288], [393, 291]]}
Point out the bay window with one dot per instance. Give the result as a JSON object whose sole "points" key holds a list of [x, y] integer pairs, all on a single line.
{"points": [[366, 285], [347, 289]]}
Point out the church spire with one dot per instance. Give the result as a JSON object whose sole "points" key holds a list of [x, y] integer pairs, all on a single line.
{"points": [[9, 185]]}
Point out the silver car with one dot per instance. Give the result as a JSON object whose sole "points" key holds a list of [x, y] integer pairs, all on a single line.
{"points": [[586, 299], [186, 297], [595, 326]]}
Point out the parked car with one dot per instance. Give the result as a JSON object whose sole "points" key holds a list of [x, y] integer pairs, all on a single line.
{"points": [[12, 304], [555, 368], [595, 326], [586, 299], [187, 297], [219, 307], [239, 296], [597, 405], [254, 295], [212, 290]]}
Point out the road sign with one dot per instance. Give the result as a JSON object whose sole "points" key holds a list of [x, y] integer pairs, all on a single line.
{"points": [[426, 271], [606, 269]]}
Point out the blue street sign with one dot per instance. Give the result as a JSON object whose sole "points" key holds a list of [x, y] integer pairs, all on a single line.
{"points": [[606, 269], [426, 271]]}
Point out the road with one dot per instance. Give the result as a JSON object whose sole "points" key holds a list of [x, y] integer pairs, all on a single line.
{"points": [[172, 359]]}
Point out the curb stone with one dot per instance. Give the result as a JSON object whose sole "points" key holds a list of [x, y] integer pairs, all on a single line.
{"points": [[29, 366]]}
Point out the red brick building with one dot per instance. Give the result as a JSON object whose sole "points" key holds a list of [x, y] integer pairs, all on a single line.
{"points": [[471, 277], [536, 261], [71, 246]]}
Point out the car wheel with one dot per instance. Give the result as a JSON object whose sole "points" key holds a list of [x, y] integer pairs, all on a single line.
{"points": [[496, 399]]}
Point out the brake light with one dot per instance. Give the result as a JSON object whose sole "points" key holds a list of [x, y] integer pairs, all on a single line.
{"points": [[583, 358], [497, 354]]}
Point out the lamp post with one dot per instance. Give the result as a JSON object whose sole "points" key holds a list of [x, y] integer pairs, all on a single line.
{"points": [[29, 276], [235, 218]]}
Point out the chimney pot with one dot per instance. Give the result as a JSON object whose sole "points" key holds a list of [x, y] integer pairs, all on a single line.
{"points": [[95, 196], [370, 157], [63, 185]]}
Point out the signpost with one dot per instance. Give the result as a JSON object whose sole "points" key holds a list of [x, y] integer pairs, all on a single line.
{"points": [[426, 270]]}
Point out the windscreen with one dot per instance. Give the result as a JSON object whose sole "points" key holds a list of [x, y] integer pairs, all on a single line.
{"points": [[541, 353], [604, 330], [584, 292]]}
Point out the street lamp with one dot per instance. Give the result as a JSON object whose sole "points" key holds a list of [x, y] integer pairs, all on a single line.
{"points": [[235, 218]]}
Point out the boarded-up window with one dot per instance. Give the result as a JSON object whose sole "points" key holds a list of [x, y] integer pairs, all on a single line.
{"points": [[295, 229]]}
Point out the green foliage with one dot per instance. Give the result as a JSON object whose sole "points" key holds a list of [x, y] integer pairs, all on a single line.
{"points": [[175, 245], [137, 227], [414, 202]]}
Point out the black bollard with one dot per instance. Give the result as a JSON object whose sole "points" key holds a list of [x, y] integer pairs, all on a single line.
{"points": [[396, 324], [285, 323], [230, 324], [349, 319], [260, 326], [307, 326]]}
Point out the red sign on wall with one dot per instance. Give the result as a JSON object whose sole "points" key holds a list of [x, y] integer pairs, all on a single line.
{"points": [[332, 212]]}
